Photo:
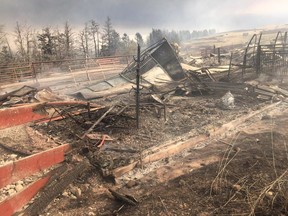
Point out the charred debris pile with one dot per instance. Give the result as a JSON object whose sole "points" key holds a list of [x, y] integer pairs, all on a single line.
{"points": [[94, 128]]}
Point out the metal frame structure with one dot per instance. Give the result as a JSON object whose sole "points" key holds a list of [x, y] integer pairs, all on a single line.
{"points": [[268, 58]]}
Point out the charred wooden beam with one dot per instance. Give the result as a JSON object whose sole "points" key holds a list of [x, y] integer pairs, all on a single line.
{"points": [[23, 114], [27, 166], [54, 189], [128, 199], [97, 122], [13, 150], [20, 115], [166, 150]]}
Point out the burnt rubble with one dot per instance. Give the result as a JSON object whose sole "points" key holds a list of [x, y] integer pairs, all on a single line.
{"points": [[93, 130]]}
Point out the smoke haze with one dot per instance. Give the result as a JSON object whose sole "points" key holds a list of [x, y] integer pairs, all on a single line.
{"points": [[134, 15]]}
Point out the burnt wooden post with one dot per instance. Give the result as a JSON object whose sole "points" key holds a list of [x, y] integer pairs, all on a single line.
{"points": [[34, 71], [258, 59], [244, 64], [219, 60], [89, 110], [230, 65], [86, 68]]}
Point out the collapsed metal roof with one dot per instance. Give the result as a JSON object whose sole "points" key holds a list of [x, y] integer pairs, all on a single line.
{"points": [[160, 55]]}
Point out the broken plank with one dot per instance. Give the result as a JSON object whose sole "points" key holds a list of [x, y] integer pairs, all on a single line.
{"points": [[265, 93], [97, 136], [266, 88], [128, 199], [98, 121], [67, 103], [54, 188], [58, 117], [167, 151], [280, 90], [27, 166], [121, 150]]}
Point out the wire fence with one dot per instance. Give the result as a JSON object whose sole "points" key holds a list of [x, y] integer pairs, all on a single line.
{"points": [[90, 67]]}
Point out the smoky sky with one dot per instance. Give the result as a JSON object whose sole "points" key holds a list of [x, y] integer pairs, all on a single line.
{"points": [[143, 15]]}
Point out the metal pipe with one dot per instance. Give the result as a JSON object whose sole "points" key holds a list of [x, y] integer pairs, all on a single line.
{"points": [[274, 51], [245, 56]]}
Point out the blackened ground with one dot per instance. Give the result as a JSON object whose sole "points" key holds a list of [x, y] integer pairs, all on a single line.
{"points": [[250, 179], [186, 117]]}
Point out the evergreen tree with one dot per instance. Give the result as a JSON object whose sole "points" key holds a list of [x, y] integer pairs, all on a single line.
{"points": [[47, 44], [155, 36], [139, 39], [68, 40], [110, 39], [94, 32]]}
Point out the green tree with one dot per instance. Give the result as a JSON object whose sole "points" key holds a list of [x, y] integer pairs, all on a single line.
{"points": [[68, 40], [128, 47], [2, 34], [20, 41], [115, 41], [125, 38], [155, 36], [94, 32], [110, 39], [173, 37], [84, 40], [139, 39], [5, 55], [47, 44], [34, 48]]}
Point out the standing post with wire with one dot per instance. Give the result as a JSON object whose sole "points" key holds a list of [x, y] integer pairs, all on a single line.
{"points": [[138, 60]]}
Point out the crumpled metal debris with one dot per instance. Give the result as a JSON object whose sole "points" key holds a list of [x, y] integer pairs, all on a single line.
{"points": [[160, 66], [46, 95]]}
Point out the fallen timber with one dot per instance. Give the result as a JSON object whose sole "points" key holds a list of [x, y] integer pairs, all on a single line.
{"points": [[26, 167], [36, 163], [54, 188], [23, 114], [14, 203], [166, 150]]}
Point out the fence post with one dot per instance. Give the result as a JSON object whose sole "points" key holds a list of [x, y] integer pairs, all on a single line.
{"points": [[230, 65], [219, 60], [34, 72], [258, 60]]}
